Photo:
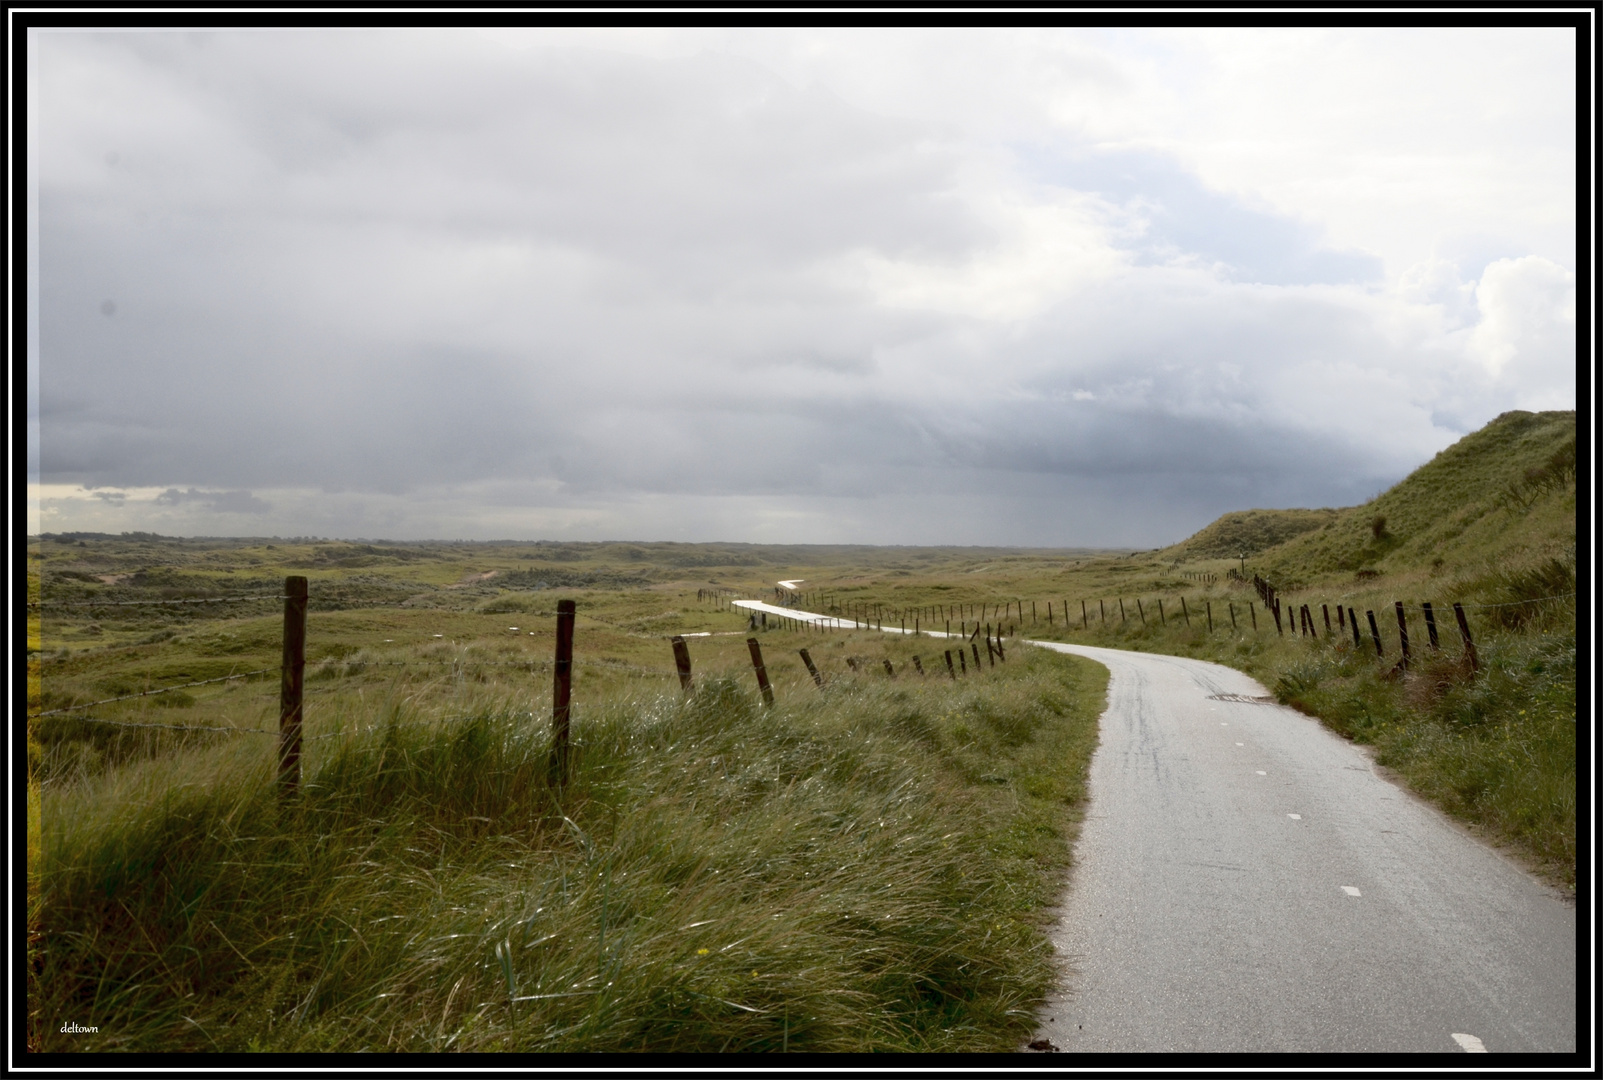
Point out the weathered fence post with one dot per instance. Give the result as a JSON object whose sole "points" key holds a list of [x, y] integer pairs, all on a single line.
{"points": [[1326, 609], [762, 672], [1253, 611], [918, 667], [1163, 620], [1103, 609], [1469, 642], [292, 685], [1430, 625], [562, 691], [1232, 606], [1352, 617], [888, 669], [1374, 632], [1122, 619], [1210, 615], [1184, 612], [976, 647], [812, 669], [681, 660], [1141, 611], [1276, 610], [950, 670], [1402, 631]]}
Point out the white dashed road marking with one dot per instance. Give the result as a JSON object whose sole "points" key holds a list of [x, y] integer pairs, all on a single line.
{"points": [[1351, 890], [1262, 773], [1470, 1043], [1295, 817]]}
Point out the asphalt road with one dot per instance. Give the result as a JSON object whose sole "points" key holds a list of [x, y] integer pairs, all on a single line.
{"points": [[1245, 881]]}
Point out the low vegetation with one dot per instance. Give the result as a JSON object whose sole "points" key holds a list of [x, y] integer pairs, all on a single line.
{"points": [[860, 868]]}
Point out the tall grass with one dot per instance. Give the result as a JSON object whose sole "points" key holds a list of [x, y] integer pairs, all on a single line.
{"points": [[863, 869]]}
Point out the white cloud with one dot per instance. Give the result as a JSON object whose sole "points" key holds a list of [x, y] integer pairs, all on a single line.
{"points": [[1526, 333]]}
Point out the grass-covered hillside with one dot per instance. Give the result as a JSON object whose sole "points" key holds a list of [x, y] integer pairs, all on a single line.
{"points": [[1490, 524], [1248, 532], [1502, 494]]}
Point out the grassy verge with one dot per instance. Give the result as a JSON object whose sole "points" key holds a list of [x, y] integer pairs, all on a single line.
{"points": [[861, 869], [1494, 747]]}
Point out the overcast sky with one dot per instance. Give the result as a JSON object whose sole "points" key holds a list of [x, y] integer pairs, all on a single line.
{"points": [[1048, 287]]}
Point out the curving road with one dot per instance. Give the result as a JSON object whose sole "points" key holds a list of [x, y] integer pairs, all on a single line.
{"points": [[1245, 880]]}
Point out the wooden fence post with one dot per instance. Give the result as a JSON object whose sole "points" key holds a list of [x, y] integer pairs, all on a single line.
{"points": [[1326, 608], [888, 669], [1210, 615], [976, 647], [1122, 619], [1402, 631], [1374, 632], [812, 669], [762, 672], [918, 667], [1352, 617], [1084, 622], [1184, 612], [1276, 610], [1103, 610], [1341, 617], [950, 670], [291, 686], [1141, 611], [1163, 620], [1253, 611], [1469, 642], [681, 660], [562, 691], [1430, 626], [1232, 606]]}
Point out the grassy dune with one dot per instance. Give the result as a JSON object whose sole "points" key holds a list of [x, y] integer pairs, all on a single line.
{"points": [[863, 868]]}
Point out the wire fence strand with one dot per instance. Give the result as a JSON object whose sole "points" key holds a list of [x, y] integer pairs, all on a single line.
{"points": [[149, 603], [175, 727], [149, 693]]}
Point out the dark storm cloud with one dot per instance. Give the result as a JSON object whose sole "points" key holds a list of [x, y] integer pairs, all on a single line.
{"points": [[431, 281], [225, 502]]}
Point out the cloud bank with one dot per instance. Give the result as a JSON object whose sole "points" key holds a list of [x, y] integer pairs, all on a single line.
{"points": [[706, 285]]}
